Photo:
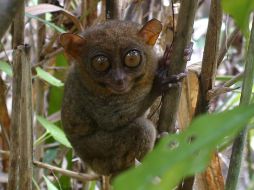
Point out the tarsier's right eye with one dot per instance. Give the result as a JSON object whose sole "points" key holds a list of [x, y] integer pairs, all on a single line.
{"points": [[132, 58], [100, 63]]}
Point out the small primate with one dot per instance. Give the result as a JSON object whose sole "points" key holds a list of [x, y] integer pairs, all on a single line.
{"points": [[115, 78]]}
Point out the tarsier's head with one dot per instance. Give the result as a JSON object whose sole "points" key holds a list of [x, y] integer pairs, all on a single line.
{"points": [[114, 56]]}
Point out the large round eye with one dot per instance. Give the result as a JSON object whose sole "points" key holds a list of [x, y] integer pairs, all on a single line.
{"points": [[100, 63], [132, 58]]}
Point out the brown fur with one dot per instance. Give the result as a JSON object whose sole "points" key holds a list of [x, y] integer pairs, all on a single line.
{"points": [[108, 130]]}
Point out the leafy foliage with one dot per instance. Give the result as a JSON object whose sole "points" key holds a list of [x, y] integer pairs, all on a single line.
{"points": [[178, 156], [55, 131], [240, 10], [5, 67], [48, 77], [50, 185]]}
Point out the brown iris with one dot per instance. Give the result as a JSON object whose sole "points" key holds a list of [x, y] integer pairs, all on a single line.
{"points": [[100, 63], [132, 58]]}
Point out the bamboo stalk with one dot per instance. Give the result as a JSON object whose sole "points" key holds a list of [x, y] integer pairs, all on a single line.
{"points": [[209, 63], [15, 122], [212, 178], [18, 38], [111, 9], [39, 90], [170, 100], [238, 146], [26, 148], [8, 9]]}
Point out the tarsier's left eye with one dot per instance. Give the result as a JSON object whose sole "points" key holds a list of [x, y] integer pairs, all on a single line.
{"points": [[132, 58], [100, 63]]}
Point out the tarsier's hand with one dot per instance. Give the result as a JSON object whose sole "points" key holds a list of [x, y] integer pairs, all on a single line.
{"points": [[163, 82]]}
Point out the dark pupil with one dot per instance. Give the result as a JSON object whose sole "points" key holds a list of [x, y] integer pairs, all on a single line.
{"points": [[132, 58], [100, 63]]}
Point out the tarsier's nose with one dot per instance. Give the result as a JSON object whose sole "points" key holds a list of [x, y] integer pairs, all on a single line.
{"points": [[119, 77]]}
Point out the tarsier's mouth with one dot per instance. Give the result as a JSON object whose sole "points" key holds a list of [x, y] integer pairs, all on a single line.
{"points": [[119, 88]]}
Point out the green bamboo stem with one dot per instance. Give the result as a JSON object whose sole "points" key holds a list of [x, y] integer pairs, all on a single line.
{"points": [[238, 146]]}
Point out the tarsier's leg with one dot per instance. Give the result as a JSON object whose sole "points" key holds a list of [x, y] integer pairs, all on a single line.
{"points": [[109, 152]]}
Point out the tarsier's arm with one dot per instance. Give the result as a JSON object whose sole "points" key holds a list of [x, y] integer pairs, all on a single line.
{"points": [[162, 82]]}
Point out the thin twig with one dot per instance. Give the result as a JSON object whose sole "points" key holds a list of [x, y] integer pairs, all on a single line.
{"points": [[226, 46], [217, 91], [235, 79], [225, 88], [79, 176]]}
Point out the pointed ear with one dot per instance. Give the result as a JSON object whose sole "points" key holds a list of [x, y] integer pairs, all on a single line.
{"points": [[150, 31], [72, 44]]}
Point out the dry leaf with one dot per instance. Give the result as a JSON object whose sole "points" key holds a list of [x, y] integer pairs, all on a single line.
{"points": [[48, 8]]}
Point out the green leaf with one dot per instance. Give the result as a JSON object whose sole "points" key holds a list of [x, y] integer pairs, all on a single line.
{"points": [[240, 11], [55, 95], [5, 67], [55, 131], [50, 155], [92, 185], [50, 24], [50, 185], [48, 77], [175, 158]]}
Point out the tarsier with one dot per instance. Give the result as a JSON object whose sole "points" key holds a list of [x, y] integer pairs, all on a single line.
{"points": [[115, 79]]}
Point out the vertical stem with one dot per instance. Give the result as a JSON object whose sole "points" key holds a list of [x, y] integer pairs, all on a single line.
{"points": [[170, 100], [238, 146], [39, 90], [91, 6], [209, 62], [8, 9], [26, 150], [18, 27], [226, 44], [105, 182], [18, 38], [250, 156], [84, 12], [207, 77], [15, 122], [111, 9]]}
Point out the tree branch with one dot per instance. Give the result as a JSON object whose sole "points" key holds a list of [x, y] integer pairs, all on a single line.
{"points": [[209, 63], [80, 176], [184, 30]]}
